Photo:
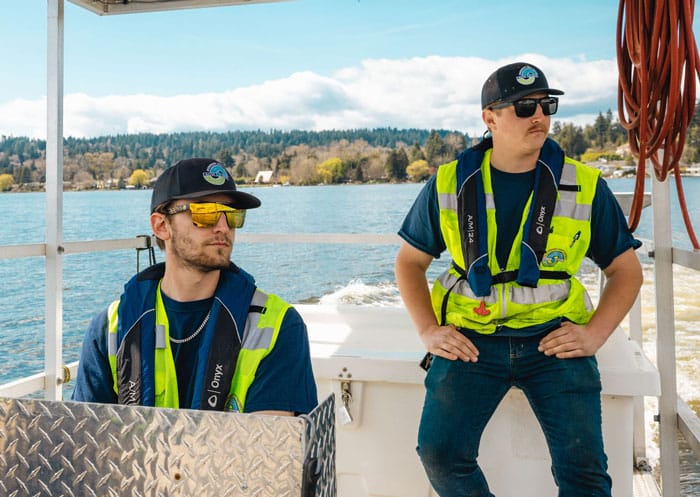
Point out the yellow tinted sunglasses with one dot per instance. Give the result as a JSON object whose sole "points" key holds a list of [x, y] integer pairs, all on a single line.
{"points": [[207, 214]]}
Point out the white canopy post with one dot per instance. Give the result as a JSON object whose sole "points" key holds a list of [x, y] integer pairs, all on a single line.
{"points": [[665, 337], [53, 336]]}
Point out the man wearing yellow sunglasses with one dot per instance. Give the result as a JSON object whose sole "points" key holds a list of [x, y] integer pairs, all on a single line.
{"points": [[195, 332]]}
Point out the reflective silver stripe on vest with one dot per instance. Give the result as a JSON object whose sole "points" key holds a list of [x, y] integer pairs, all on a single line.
{"points": [[518, 295], [555, 292], [568, 174], [572, 210], [566, 205], [447, 279], [447, 201], [160, 336], [112, 348], [253, 336], [112, 343]]}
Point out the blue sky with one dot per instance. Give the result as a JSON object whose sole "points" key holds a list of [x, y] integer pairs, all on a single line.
{"points": [[309, 64]]}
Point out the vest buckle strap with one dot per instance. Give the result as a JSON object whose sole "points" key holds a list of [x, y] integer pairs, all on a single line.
{"points": [[260, 309]]}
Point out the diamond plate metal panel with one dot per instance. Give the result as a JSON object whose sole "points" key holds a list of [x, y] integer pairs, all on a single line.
{"points": [[320, 448], [70, 449]]}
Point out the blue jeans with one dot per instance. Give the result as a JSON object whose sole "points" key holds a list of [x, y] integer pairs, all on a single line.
{"points": [[462, 396]]}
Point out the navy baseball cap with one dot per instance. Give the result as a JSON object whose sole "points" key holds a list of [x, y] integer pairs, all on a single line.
{"points": [[513, 82], [195, 178]]}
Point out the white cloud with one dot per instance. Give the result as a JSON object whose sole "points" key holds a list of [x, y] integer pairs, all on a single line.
{"points": [[421, 92]]}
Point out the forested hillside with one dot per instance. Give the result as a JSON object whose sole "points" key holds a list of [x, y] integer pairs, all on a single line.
{"points": [[298, 157], [294, 157]]}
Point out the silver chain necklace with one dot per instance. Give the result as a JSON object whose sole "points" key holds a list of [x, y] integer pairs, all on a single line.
{"points": [[196, 332]]}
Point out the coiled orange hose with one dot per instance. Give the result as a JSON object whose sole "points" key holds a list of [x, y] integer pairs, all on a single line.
{"points": [[658, 63]]}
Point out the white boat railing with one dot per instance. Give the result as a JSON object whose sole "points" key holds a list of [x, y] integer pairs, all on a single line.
{"points": [[671, 417], [34, 383], [674, 413]]}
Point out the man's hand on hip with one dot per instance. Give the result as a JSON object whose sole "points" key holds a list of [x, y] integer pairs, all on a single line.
{"points": [[447, 342]]}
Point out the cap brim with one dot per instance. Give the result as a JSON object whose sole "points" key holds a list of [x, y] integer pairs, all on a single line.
{"points": [[241, 200], [525, 93]]}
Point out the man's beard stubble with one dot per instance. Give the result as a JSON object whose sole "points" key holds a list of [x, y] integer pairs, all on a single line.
{"points": [[194, 256]]}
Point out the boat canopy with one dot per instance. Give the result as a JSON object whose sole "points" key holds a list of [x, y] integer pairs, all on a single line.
{"points": [[111, 7]]}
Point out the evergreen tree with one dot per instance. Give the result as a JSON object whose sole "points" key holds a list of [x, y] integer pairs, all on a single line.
{"points": [[555, 129], [225, 158], [416, 153], [358, 175], [434, 149], [240, 170], [571, 139], [396, 164], [600, 132], [5, 166]]}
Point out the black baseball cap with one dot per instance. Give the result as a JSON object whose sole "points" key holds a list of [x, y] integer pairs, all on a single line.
{"points": [[514, 81], [195, 178]]}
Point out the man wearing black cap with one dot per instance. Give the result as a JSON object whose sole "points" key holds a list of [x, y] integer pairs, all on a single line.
{"points": [[195, 332], [517, 217]]}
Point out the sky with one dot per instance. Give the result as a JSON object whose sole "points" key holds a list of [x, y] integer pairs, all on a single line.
{"points": [[301, 64]]}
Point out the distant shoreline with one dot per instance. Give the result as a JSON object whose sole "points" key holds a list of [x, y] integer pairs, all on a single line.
{"points": [[37, 188]]}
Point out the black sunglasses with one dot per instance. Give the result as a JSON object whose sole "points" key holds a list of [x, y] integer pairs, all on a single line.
{"points": [[526, 107]]}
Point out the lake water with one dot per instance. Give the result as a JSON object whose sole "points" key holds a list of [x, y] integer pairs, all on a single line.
{"points": [[357, 274]]}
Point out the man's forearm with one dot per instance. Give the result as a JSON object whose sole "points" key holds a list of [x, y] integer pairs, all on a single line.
{"points": [[623, 281]]}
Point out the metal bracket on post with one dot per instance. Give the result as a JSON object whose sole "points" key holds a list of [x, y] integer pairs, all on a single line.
{"points": [[349, 392], [66, 374], [345, 399], [151, 252], [642, 464]]}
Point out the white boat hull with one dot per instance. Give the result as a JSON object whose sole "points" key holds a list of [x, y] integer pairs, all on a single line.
{"points": [[377, 351]]}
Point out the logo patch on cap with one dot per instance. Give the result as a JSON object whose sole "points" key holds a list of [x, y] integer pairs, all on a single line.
{"points": [[215, 174], [527, 75]]}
